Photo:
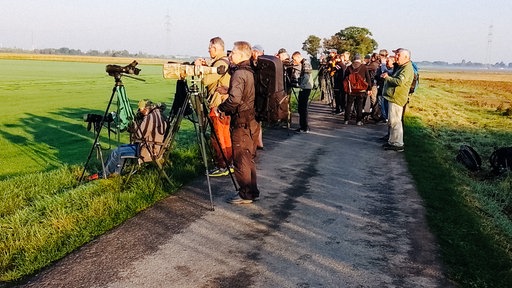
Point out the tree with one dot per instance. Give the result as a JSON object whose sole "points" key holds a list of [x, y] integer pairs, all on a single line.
{"points": [[352, 39], [312, 46]]}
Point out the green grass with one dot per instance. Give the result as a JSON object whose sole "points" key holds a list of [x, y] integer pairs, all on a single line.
{"points": [[468, 212], [42, 127]]}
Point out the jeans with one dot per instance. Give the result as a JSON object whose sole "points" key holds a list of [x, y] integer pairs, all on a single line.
{"points": [[116, 159], [383, 102]]}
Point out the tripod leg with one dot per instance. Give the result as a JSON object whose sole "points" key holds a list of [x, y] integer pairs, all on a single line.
{"points": [[96, 140]]}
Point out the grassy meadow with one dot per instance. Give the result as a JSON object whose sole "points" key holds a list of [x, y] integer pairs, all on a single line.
{"points": [[45, 214]]}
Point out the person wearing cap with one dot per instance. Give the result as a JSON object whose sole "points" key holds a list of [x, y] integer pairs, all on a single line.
{"points": [[396, 90], [146, 135], [356, 97]]}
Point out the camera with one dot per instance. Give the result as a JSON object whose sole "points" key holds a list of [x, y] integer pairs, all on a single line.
{"points": [[114, 70], [96, 119], [173, 70]]}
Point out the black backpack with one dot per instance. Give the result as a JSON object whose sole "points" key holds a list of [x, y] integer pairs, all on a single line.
{"points": [[468, 157], [501, 160], [271, 102]]}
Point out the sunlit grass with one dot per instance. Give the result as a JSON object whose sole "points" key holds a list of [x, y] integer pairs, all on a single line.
{"points": [[469, 212]]}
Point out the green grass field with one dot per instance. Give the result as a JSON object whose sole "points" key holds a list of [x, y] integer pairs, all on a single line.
{"points": [[42, 126], [45, 214]]}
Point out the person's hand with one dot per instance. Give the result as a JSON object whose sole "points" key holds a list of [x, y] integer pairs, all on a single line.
{"points": [[370, 92], [216, 111], [384, 75], [200, 62], [222, 90]]}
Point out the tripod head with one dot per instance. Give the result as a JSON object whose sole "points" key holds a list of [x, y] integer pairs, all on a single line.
{"points": [[117, 71]]}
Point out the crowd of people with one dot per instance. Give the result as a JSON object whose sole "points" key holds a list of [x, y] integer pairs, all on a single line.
{"points": [[379, 81], [382, 98]]}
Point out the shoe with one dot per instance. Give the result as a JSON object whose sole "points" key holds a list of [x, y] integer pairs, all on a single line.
{"points": [[298, 130], [346, 122], [238, 200], [94, 176], [388, 146], [218, 172], [231, 169], [384, 138], [359, 123]]}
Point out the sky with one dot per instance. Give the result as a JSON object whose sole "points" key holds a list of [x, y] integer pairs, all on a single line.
{"points": [[433, 30]]}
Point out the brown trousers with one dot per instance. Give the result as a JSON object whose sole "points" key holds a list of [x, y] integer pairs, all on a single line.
{"points": [[244, 153]]}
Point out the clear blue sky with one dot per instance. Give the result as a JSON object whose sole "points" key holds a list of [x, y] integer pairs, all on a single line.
{"points": [[445, 30]]}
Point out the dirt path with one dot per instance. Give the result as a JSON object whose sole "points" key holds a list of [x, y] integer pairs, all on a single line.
{"points": [[336, 211]]}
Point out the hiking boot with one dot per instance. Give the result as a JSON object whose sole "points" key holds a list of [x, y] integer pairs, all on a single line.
{"points": [[388, 146], [218, 172], [238, 200]]}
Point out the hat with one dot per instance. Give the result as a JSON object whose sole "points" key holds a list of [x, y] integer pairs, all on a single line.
{"points": [[144, 103], [367, 56], [282, 50], [398, 50], [333, 51], [257, 47], [383, 52], [357, 57]]}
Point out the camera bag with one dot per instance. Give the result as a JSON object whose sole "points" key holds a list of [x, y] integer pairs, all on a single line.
{"points": [[271, 102]]}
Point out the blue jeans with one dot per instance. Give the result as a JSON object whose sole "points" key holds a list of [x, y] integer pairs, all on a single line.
{"points": [[383, 102], [116, 159]]}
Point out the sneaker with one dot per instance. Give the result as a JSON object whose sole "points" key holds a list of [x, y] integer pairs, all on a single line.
{"points": [[298, 130], [238, 200], [359, 123], [346, 122], [388, 146], [218, 172], [231, 169]]}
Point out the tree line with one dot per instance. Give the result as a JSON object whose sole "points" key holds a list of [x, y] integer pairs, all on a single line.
{"points": [[359, 40]]}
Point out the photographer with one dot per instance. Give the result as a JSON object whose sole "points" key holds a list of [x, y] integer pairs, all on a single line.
{"points": [[217, 86], [305, 85], [146, 135], [245, 128]]}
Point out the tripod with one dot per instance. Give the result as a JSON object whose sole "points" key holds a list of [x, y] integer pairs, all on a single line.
{"points": [[189, 101], [124, 109]]}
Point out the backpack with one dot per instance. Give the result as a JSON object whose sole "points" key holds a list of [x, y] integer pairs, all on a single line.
{"points": [[501, 160], [271, 101], [354, 82], [468, 157], [415, 79]]}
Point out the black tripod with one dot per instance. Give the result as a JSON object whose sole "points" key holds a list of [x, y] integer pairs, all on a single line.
{"points": [[189, 102]]}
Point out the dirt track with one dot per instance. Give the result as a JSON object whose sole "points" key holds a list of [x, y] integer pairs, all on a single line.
{"points": [[336, 211]]}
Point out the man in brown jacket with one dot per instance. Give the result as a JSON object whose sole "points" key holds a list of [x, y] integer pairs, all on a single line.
{"points": [[245, 128]]}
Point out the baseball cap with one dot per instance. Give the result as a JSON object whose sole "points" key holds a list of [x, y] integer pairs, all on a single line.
{"points": [[398, 50], [144, 103], [257, 47], [282, 50]]}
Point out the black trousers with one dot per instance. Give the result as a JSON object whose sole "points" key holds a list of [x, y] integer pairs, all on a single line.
{"points": [[303, 108], [357, 100]]}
